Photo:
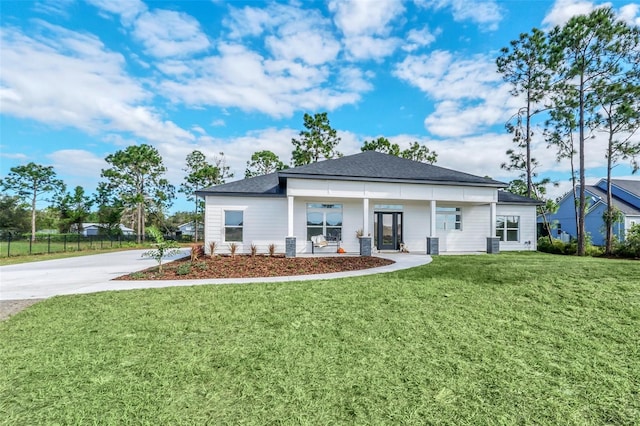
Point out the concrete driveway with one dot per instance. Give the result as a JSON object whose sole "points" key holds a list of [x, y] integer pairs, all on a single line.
{"points": [[94, 273]]}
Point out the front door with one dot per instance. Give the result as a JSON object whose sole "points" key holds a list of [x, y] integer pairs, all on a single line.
{"points": [[388, 230]]}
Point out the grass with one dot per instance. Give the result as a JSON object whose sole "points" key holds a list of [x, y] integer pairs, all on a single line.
{"points": [[507, 339]]}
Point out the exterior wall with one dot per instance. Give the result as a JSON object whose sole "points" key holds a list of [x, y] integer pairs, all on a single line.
{"points": [[264, 222], [389, 191], [265, 218], [528, 227], [472, 237]]}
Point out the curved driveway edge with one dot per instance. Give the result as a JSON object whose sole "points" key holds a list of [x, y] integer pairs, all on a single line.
{"points": [[95, 273]]}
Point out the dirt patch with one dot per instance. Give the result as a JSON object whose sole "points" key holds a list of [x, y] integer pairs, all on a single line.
{"points": [[12, 307], [244, 266]]}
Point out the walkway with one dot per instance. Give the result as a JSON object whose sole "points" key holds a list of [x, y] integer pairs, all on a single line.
{"points": [[94, 273]]}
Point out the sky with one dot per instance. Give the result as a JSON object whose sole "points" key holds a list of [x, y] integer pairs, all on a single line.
{"points": [[80, 80]]}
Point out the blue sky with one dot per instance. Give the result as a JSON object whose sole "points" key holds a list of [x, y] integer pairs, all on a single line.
{"points": [[82, 79]]}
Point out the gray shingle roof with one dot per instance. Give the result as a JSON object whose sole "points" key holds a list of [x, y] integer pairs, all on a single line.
{"points": [[266, 185], [619, 204], [510, 198], [368, 165], [372, 165], [632, 186]]}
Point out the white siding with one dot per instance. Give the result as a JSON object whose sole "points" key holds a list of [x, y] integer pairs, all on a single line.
{"points": [[528, 226], [264, 222], [473, 235], [390, 191]]}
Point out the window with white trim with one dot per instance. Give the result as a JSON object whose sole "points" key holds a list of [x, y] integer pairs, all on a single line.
{"points": [[324, 219], [449, 218], [233, 224], [508, 228]]}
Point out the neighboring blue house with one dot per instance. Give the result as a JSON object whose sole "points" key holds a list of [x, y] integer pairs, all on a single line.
{"points": [[626, 198]]}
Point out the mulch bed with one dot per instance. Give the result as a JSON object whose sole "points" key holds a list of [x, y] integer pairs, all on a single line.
{"points": [[244, 266]]}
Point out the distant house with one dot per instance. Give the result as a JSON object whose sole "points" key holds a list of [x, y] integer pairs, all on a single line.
{"points": [[626, 199], [369, 201], [189, 229], [92, 229]]}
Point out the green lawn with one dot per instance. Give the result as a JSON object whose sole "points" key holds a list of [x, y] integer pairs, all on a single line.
{"points": [[507, 339]]}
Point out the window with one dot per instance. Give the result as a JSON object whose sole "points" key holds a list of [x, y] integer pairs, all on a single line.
{"points": [[324, 219], [233, 225], [449, 218], [508, 228], [397, 207]]}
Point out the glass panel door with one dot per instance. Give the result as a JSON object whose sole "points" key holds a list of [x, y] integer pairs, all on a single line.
{"points": [[388, 230]]}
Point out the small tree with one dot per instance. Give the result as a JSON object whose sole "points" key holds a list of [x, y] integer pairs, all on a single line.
{"points": [[317, 142], [163, 248], [262, 163], [28, 182], [201, 174], [415, 152]]}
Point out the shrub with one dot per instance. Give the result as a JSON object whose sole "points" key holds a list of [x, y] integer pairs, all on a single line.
{"points": [[212, 248], [233, 248], [560, 247], [197, 251], [272, 249], [630, 247], [555, 247], [254, 250], [162, 248], [184, 269]]}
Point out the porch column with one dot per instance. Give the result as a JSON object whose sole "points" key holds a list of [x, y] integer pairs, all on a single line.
{"points": [[290, 216], [493, 242], [365, 217], [492, 226], [433, 245], [290, 240], [432, 232], [365, 239]]}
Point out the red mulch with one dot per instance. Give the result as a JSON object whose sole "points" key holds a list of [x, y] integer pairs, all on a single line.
{"points": [[244, 266]]}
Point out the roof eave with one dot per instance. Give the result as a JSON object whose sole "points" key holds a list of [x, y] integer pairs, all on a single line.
{"points": [[391, 180], [240, 194]]}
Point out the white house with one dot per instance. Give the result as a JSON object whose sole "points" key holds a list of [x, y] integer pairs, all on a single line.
{"points": [[395, 201], [93, 229]]}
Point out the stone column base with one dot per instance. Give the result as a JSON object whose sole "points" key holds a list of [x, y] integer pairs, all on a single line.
{"points": [[365, 246], [493, 245], [433, 245], [290, 247]]}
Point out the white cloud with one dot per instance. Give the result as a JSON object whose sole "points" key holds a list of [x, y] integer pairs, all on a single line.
{"points": [[311, 47], [12, 155], [469, 93], [358, 17], [486, 13], [80, 167], [66, 78], [166, 33], [242, 78], [563, 10], [289, 32], [419, 38], [366, 26], [630, 14], [365, 47], [128, 10], [53, 7]]}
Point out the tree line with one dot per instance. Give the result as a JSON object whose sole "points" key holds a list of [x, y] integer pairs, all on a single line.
{"points": [[135, 191], [575, 81]]}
